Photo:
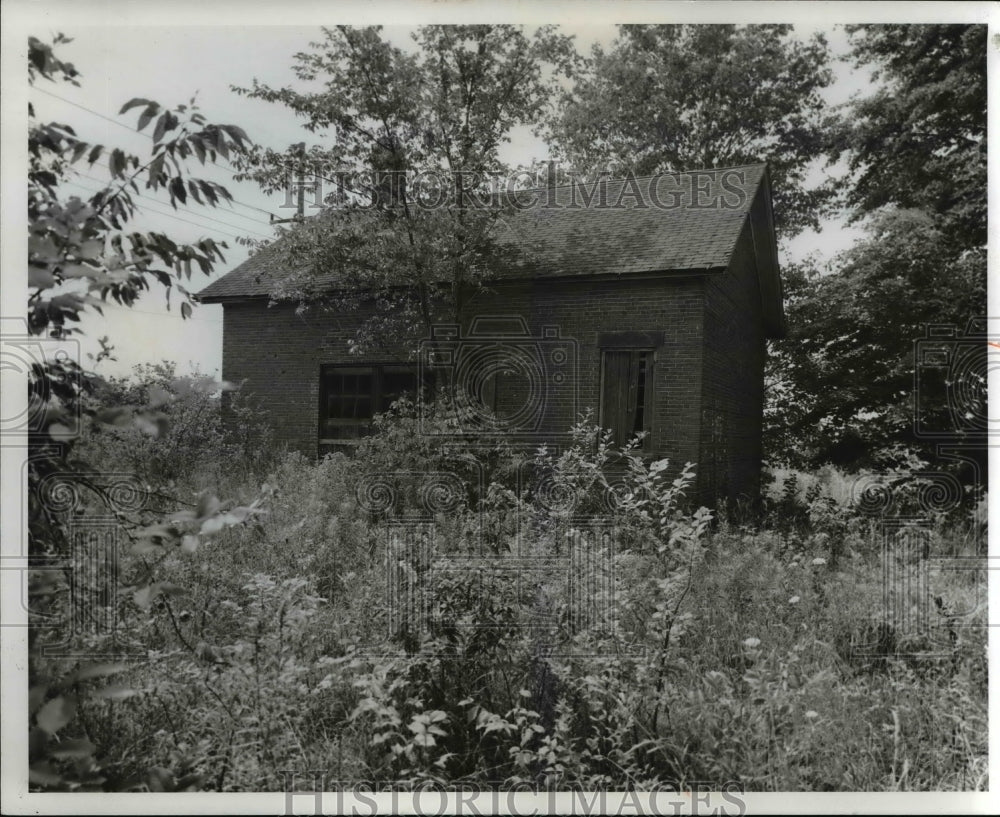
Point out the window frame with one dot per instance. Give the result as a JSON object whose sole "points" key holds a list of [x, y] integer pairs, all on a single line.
{"points": [[639, 343], [377, 371]]}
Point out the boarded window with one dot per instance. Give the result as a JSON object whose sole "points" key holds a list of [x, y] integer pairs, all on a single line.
{"points": [[350, 396], [626, 393]]}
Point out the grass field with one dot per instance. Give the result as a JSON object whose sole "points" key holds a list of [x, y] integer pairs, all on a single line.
{"points": [[544, 637]]}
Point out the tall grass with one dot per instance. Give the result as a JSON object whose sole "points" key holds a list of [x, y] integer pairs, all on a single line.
{"points": [[761, 655]]}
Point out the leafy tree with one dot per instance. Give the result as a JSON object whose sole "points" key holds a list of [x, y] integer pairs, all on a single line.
{"points": [[410, 144], [682, 97], [842, 386], [81, 253], [920, 140]]}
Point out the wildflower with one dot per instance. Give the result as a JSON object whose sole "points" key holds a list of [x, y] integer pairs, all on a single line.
{"points": [[819, 560], [812, 713], [794, 600], [751, 643]]}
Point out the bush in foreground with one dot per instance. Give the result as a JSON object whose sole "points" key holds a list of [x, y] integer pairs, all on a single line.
{"points": [[552, 620]]}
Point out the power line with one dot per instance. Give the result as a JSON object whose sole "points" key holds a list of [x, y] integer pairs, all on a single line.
{"points": [[169, 315], [142, 195], [230, 201], [200, 215], [225, 166], [165, 215], [133, 130]]}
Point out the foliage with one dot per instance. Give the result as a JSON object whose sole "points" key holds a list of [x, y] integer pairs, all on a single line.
{"points": [[192, 423], [387, 116], [846, 386], [561, 618], [720, 654], [683, 97], [919, 141], [80, 254], [76, 245], [843, 384]]}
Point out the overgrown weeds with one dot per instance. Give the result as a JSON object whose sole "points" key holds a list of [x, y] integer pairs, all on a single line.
{"points": [[433, 611]]}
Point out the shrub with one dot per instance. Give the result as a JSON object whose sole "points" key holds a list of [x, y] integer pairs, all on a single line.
{"points": [[193, 446], [568, 619]]}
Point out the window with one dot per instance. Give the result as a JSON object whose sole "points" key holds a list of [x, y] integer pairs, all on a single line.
{"points": [[349, 396], [626, 392]]}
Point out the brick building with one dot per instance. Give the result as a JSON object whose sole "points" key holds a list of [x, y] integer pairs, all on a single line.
{"points": [[650, 304]]}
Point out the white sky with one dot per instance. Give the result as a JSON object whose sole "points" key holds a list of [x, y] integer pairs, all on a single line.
{"points": [[170, 64]]}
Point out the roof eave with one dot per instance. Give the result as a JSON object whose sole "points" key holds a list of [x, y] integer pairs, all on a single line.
{"points": [[673, 272]]}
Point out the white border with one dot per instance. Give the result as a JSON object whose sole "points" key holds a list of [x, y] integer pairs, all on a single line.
{"points": [[19, 18]]}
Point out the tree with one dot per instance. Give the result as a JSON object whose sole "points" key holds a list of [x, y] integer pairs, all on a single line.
{"points": [[920, 140], [410, 144], [80, 254], [684, 97], [845, 385], [841, 386]]}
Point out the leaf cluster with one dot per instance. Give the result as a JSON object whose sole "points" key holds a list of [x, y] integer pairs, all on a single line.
{"points": [[683, 97]]}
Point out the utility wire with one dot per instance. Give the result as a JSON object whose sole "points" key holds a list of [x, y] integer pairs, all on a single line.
{"points": [[151, 198], [133, 130], [131, 309], [224, 166], [165, 213]]}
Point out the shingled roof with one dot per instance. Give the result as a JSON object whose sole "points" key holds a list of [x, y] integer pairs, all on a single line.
{"points": [[671, 222]]}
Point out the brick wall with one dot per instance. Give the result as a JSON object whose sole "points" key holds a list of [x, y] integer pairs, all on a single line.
{"points": [[278, 353], [733, 384]]}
